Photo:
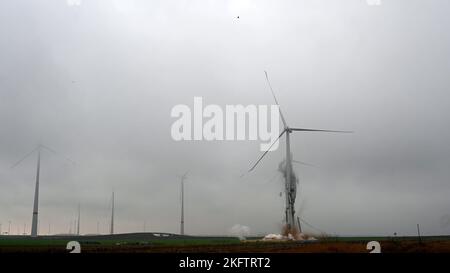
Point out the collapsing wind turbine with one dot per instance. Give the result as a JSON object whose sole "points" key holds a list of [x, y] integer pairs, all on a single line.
{"points": [[289, 175]]}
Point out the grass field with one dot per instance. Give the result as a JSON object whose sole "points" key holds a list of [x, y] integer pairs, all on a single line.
{"points": [[164, 242]]}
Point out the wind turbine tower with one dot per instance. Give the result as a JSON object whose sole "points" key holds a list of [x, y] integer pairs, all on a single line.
{"points": [[78, 221], [111, 231], [34, 221], [183, 177]]}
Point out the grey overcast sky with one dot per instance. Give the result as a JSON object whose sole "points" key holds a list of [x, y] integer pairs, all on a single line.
{"points": [[97, 81]]}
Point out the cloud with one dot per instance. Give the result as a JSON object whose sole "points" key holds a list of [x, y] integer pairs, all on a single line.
{"points": [[96, 82]]}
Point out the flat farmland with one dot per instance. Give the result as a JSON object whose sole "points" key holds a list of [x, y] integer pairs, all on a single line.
{"points": [[172, 243]]}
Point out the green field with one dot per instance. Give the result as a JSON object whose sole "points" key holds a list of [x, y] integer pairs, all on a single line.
{"points": [[129, 239], [165, 242]]}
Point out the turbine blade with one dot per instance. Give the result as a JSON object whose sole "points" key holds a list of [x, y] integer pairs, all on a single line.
{"points": [[276, 101], [25, 157], [318, 130], [251, 169], [56, 153], [301, 208], [303, 163], [311, 226]]}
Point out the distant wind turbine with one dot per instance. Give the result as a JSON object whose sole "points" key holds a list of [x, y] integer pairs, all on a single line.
{"points": [[78, 221], [111, 230], [39, 148], [290, 178], [183, 177]]}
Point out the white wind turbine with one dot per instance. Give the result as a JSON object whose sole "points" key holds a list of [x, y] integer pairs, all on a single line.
{"points": [[39, 148], [183, 177], [111, 228], [289, 175]]}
